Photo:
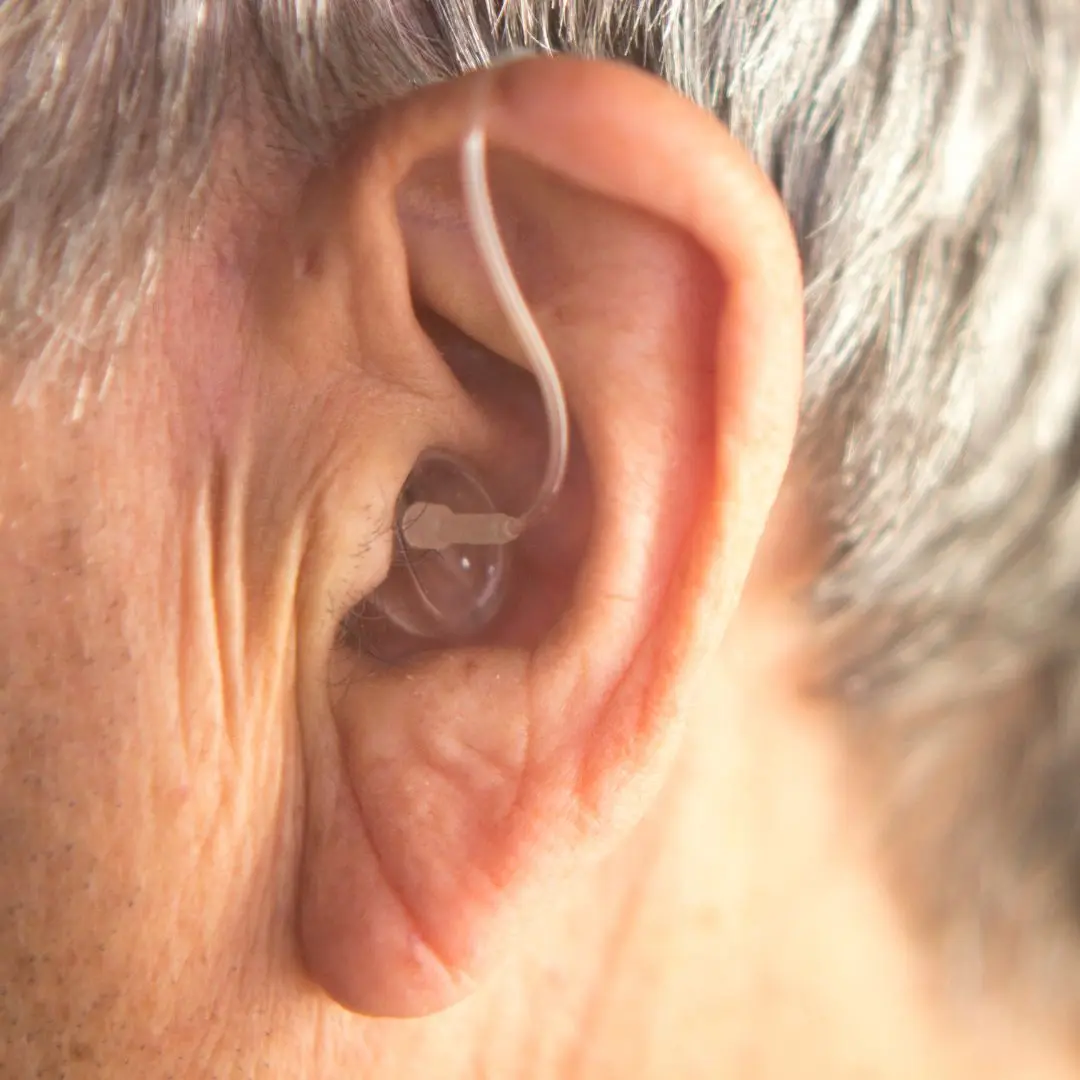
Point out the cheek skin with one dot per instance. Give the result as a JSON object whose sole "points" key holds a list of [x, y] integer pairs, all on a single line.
{"points": [[148, 784], [151, 767]]}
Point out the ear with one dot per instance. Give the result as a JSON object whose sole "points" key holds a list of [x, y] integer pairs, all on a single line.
{"points": [[448, 790]]}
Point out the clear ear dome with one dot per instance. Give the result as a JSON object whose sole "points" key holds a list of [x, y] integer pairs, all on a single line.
{"points": [[453, 592]]}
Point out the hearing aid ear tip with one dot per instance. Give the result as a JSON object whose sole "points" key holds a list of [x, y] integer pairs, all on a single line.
{"points": [[439, 587]]}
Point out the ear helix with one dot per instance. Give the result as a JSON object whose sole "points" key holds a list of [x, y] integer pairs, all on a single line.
{"points": [[448, 578]]}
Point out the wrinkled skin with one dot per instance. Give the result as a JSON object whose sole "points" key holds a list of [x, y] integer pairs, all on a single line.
{"points": [[222, 823]]}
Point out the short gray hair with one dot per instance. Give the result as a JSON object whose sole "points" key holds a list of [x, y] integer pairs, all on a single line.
{"points": [[929, 156]]}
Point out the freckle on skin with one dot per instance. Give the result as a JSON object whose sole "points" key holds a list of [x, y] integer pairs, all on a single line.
{"points": [[81, 1051]]}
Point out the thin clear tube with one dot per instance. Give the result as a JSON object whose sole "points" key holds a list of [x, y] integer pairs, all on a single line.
{"points": [[451, 578], [432, 526], [489, 243]]}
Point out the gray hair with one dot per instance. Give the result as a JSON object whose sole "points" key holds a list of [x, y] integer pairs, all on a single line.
{"points": [[928, 152]]}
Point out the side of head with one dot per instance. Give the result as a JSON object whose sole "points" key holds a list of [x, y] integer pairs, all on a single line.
{"points": [[807, 384]]}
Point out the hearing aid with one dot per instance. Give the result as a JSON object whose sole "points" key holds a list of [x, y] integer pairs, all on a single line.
{"points": [[449, 574]]}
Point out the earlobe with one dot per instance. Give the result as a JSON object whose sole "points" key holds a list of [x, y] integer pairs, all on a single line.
{"points": [[663, 273]]}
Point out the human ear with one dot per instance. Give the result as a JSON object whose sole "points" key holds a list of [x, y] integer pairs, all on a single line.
{"points": [[448, 789]]}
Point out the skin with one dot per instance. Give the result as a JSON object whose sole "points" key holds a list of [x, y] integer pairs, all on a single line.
{"points": [[613, 838]]}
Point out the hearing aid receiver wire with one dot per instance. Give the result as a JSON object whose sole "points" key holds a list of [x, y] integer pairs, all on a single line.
{"points": [[431, 525]]}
